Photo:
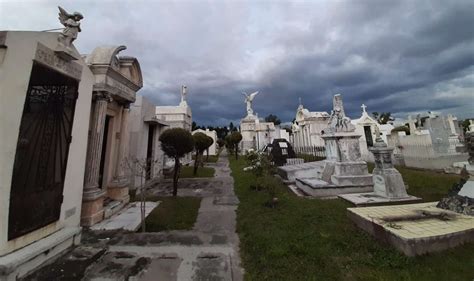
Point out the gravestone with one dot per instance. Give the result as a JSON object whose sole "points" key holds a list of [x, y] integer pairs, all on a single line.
{"points": [[343, 171], [388, 182], [281, 151]]}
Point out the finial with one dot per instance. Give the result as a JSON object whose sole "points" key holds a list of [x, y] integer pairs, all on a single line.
{"points": [[364, 107], [300, 101]]}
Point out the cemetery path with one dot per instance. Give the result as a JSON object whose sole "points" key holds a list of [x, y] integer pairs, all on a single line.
{"points": [[210, 251]]}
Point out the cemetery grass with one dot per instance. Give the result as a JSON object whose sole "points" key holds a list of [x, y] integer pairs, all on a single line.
{"points": [[312, 239], [187, 172], [173, 213]]}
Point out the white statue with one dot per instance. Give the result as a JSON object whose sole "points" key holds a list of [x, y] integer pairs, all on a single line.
{"points": [[338, 122], [183, 93], [248, 101], [72, 27]]}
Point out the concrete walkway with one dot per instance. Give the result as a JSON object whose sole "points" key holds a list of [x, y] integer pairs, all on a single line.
{"points": [[210, 251]]}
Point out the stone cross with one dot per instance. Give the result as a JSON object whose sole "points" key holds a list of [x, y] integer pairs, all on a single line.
{"points": [[364, 107], [452, 127]]}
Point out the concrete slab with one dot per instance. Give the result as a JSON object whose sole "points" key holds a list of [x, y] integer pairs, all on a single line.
{"points": [[372, 199], [415, 229], [127, 219], [165, 267], [322, 189]]}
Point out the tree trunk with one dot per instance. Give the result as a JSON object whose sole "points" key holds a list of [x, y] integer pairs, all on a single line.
{"points": [[207, 154], [196, 163], [236, 152], [175, 176]]}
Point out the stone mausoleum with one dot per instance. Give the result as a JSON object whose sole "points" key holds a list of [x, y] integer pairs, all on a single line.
{"points": [[145, 147], [116, 81], [46, 90]]}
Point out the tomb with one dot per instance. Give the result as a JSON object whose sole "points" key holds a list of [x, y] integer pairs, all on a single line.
{"points": [[343, 171], [179, 116], [145, 130], [388, 182], [257, 134], [45, 97], [106, 186], [281, 151], [417, 229]]}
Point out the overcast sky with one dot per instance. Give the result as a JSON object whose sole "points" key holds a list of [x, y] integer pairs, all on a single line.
{"points": [[397, 56]]}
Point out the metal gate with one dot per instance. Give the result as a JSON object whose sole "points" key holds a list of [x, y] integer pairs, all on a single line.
{"points": [[42, 151]]}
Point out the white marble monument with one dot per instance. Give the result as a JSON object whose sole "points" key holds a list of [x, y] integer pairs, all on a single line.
{"points": [[388, 182], [343, 171]]}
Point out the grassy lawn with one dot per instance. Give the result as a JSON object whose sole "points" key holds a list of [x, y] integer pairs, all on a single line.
{"points": [[312, 239], [173, 213], [202, 172]]}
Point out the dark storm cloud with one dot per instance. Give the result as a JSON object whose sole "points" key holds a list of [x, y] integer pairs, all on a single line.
{"points": [[397, 56]]}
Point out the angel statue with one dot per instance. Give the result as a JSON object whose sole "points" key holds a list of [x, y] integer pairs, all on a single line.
{"points": [[72, 26], [248, 101]]}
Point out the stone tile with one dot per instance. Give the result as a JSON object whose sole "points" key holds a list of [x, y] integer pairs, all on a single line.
{"points": [[127, 219]]}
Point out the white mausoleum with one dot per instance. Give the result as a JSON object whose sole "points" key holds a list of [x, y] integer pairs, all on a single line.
{"points": [[145, 147], [44, 119]]}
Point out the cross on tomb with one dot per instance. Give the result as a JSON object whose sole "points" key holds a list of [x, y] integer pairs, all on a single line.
{"points": [[364, 107]]}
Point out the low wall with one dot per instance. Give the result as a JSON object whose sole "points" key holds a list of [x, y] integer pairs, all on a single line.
{"points": [[434, 163]]}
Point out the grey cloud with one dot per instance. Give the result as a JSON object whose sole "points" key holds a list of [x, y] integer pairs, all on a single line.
{"points": [[398, 56]]}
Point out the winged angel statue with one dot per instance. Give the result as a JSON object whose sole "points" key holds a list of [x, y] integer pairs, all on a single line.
{"points": [[248, 101], [72, 26]]}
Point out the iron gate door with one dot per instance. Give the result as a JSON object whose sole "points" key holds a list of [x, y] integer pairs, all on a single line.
{"points": [[42, 151]]}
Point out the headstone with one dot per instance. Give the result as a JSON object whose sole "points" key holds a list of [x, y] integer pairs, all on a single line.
{"points": [[388, 182], [281, 151]]}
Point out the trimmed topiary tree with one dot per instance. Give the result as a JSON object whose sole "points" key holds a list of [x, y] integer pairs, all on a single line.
{"points": [[200, 144], [235, 139], [176, 143]]}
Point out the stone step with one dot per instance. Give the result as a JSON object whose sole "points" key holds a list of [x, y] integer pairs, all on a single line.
{"points": [[321, 189], [309, 169]]}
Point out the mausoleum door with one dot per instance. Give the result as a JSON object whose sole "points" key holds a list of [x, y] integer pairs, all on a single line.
{"points": [[103, 153], [42, 151], [368, 136], [149, 151]]}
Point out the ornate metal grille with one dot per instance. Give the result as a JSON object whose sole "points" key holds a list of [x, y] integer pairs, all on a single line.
{"points": [[42, 151]]}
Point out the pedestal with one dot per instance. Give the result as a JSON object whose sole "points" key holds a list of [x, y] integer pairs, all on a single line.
{"points": [[92, 206]]}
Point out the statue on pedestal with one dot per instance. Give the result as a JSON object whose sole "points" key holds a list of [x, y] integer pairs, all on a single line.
{"points": [[338, 122], [248, 101], [72, 27]]}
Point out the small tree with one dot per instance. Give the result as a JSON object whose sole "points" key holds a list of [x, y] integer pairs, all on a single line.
{"points": [[235, 139], [176, 143], [221, 143], [273, 118], [200, 144]]}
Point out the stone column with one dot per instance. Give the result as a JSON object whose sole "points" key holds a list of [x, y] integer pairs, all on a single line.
{"points": [[93, 196], [118, 188], [96, 135]]}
